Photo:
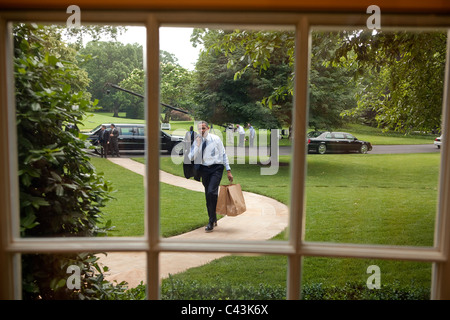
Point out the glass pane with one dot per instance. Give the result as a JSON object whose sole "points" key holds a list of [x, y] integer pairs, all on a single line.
{"points": [[365, 279], [209, 276], [79, 101], [84, 276], [373, 165], [240, 82]]}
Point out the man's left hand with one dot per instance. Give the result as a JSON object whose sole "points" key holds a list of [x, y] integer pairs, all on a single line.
{"points": [[230, 176]]}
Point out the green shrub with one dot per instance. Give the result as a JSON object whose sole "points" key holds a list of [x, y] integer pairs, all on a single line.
{"points": [[61, 195], [358, 291], [175, 289]]}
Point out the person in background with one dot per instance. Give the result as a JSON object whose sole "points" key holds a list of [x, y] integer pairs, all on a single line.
{"points": [[252, 134], [113, 141], [189, 169], [103, 140], [241, 132]]}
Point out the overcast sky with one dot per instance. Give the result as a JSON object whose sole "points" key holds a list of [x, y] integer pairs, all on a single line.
{"points": [[173, 40]]}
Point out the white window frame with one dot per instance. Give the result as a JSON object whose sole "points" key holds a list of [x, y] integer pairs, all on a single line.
{"points": [[11, 245]]}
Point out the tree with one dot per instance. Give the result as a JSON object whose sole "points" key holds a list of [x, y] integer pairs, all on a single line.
{"points": [[269, 57], [175, 85], [132, 105], [382, 64], [331, 88], [406, 72], [60, 192], [111, 62], [227, 94]]}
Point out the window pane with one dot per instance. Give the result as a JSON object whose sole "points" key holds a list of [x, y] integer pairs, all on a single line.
{"points": [[243, 90], [69, 84], [382, 187], [365, 279]]}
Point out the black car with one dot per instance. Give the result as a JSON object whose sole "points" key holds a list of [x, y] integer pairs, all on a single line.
{"points": [[132, 138], [323, 142]]}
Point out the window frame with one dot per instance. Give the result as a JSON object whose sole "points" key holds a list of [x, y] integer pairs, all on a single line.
{"points": [[11, 245]]}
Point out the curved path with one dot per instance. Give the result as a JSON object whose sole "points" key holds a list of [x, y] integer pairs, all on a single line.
{"points": [[264, 218]]}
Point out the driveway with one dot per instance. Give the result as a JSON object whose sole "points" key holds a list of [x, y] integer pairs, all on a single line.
{"points": [[420, 148], [377, 149], [286, 150]]}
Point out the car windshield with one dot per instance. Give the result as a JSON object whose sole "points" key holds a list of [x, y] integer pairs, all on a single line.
{"points": [[95, 130]]}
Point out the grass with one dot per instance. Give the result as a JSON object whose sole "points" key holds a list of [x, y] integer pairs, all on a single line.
{"points": [[93, 120], [363, 199], [377, 137], [376, 199], [126, 211]]}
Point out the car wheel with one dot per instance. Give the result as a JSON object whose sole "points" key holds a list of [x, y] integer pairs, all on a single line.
{"points": [[364, 148], [322, 149]]}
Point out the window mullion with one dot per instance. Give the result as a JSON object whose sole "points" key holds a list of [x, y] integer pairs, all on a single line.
{"points": [[441, 270], [298, 174], [152, 155], [8, 196]]}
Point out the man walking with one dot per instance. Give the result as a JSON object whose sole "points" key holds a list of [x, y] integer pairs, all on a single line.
{"points": [[103, 140], [113, 141], [210, 158]]}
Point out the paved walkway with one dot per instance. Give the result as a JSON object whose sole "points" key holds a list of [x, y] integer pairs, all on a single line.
{"points": [[263, 219]]}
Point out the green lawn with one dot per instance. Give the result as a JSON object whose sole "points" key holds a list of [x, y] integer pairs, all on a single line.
{"points": [[377, 137], [376, 199], [181, 210], [364, 199], [93, 120]]}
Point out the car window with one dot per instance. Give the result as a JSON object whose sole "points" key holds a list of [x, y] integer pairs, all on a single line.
{"points": [[314, 134], [141, 131], [339, 136], [127, 131], [349, 137], [328, 136]]}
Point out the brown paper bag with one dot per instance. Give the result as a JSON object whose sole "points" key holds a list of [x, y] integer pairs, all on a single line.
{"points": [[231, 200]]}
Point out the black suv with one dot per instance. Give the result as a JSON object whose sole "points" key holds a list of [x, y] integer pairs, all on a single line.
{"points": [[132, 138]]}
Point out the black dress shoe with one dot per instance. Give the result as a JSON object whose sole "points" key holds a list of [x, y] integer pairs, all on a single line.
{"points": [[209, 227]]}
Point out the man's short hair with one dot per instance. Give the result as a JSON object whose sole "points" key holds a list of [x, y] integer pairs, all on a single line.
{"points": [[203, 122]]}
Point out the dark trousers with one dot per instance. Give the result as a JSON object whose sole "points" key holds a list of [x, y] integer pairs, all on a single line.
{"points": [[104, 150], [211, 177], [114, 145]]}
